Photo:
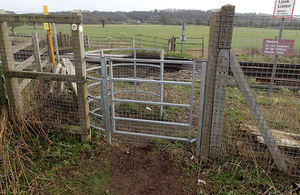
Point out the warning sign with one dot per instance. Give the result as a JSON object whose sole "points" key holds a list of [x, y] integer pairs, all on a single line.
{"points": [[282, 47], [284, 8]]}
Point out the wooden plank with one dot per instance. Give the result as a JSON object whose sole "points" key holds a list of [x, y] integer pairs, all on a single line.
{"points": [[21, 46], [256, 112], [36, 48], [24, 83], [8, 62], [57, 70], [40, 18], [44, 50], [25, 63], [44, 76], [80, 69], [282, 138], [44, 62], [70, 70]]}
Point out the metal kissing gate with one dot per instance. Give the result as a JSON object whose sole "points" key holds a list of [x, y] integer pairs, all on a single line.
{"points": [[130, 96]]}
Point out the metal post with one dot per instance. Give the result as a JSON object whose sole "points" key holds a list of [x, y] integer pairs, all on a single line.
{"points": [[192, 101], [104, 100], [276, 59], [133, 42], [200, 117], [202, 47], [112, 96], [55, 43], [161, 85], [134, 67], [181, 42]]}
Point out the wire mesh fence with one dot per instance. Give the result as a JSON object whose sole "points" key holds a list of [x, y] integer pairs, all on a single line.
{"points": [[36, 64], [261, 113]]}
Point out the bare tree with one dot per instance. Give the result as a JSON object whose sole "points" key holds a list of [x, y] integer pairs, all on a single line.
{"points": [[163, 19]]}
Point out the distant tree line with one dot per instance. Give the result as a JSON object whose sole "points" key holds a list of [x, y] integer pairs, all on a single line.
{"points": [[168, 16]]}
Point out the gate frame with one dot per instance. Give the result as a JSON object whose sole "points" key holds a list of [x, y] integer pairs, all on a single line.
{"points": [[110, 79]]}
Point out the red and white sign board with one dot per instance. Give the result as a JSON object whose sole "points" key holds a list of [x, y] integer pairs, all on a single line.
{"points": [[284, 8], [281, 47]]}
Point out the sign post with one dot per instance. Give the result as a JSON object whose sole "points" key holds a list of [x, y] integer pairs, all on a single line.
{"points": [[182, 37], [283, 9]]}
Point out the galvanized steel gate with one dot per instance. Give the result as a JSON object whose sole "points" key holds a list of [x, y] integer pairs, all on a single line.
{"points": [[136, 100]]}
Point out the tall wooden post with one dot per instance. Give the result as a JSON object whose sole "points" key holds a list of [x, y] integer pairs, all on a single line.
{"points": [[80, 69], [210, 83], [141, 41], [216, 83], [8, 63]]}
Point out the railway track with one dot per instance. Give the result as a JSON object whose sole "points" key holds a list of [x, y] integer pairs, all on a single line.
{"points": [[286, 74]]}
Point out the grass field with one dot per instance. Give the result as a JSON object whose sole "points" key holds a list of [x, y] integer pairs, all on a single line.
{"points": [[242, 37]]}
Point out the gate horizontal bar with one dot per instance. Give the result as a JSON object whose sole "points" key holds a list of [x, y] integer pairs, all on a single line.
{"points": [[151, 81], [95, 97], [151, 121], [153, 61], [145, 92], [155, 136], [97, 128], [94, 68], [137, 64], [95, 114], [95, 79], [152, 103]]}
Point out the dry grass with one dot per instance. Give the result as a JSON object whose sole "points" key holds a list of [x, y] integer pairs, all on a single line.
{"points": [[19, 174]]}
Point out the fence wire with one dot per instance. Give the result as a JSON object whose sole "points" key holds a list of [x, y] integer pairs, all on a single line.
{"points": [[275, 84], [29, 47]]}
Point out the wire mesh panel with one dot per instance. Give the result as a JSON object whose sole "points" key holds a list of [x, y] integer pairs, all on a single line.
{"points": [[260, 44], [144, 104], [42, 73]]}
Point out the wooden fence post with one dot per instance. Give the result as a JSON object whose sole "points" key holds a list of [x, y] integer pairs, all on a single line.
{"points": [[141, 41], [80, 69], [8, 62], [3, 101], [221, 77], [35, 42], [210, 83], [155, 42]]}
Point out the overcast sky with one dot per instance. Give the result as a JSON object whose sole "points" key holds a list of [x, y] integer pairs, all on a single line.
{"points": [[242, 6]]}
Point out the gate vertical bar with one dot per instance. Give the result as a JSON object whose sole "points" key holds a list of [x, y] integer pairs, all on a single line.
{"points": [[162, 57], [200, 116], [104, 100], [80, 69], [134, 72], [210, 83], [192, 101], [113, 124]]}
